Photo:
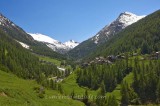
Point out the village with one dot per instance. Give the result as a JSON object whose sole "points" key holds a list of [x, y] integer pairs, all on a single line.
{"points": [[112, 58]]}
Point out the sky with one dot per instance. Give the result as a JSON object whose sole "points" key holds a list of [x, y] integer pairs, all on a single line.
{"points": [[64, 20]]}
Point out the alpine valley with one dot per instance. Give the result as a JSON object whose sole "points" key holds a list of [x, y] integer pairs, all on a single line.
{"points": [[118, 66]]}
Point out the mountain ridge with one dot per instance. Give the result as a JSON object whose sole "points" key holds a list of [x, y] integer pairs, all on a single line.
{"points": [[141, 38], [83, 49], [55, 45], [27, 41]]}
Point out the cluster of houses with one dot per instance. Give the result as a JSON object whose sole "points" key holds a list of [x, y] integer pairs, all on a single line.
{"points": [[56, 79], [111, 58], [155, 55], [102, 60]]}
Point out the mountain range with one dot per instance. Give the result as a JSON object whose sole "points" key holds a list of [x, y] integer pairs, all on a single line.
{"points": [[71, 48], [86, 47], [141, 37], [55, 45], [121, 60], [26, 40]]}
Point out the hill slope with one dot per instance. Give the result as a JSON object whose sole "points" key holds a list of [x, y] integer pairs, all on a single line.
{"points": [[125, 19], [17, 33], [143, 36], [18, 92]]}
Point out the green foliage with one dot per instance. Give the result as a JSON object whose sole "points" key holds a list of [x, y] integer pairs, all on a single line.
{"points": [[158, 92], [125, 94], [92, 76], [19, 92], [42, 49], [101, 98], [146, 81], [49, 59], [53, 84], [17, 33], [60, 89], [143, 35], [111, 101], [82, 50], [21, 62], [128, 95], [85, 97], [72, 94]]}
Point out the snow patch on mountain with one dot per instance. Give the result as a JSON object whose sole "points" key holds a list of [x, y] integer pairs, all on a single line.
{"points": [[71, 44], [23, 45], [96, 39], [128, 18], [125, 19], [43, 38], [5, 21], [55, 45]]}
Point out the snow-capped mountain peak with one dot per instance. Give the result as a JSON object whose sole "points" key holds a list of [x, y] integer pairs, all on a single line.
{"points": [[5, 21], [43, 38], [71, 44], [124, 19], [54, 44], [128, 18]]}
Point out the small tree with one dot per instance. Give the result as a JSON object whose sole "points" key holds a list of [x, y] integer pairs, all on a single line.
{"points": [[124, 93], [158, 92], [100, 100], [111, 101], [85, 97], [51, 83], [72, 94], [60, 89]]}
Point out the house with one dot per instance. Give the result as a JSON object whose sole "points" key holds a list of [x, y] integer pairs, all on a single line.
{"points": [[155, 55], [111, 58]]}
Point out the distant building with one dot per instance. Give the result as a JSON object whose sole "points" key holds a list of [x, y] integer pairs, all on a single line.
{"points": [[112, 58]]}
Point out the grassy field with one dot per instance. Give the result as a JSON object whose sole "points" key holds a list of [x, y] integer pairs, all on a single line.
{"points": [[69, 84], [18, 92], [54, 61]]}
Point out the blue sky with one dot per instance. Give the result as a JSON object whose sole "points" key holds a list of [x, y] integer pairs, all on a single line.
{"points": [[71, 19]]}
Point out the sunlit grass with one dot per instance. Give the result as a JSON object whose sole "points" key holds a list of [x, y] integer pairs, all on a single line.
{"points": [[19, 92]]}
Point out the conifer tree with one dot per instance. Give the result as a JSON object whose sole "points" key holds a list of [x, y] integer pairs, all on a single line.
{"points": [[85, 98], [72, 94], [101, 96], [111, 101], [60, 88], [158, 92], [124, 93]]}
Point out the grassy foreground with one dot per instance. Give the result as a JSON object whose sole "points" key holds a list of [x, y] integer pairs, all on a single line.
{"points": [[18, 92]]}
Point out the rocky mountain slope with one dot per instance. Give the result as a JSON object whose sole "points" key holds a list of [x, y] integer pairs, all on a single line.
{"points": [[124, 19], [27, 41], [142, 38]]}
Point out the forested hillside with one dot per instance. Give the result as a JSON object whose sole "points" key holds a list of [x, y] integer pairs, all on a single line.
{"points": [[138, 47], [123, 71], [141, 87], [19, 34], [143, 37], [88, 46], [14, 58]]}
